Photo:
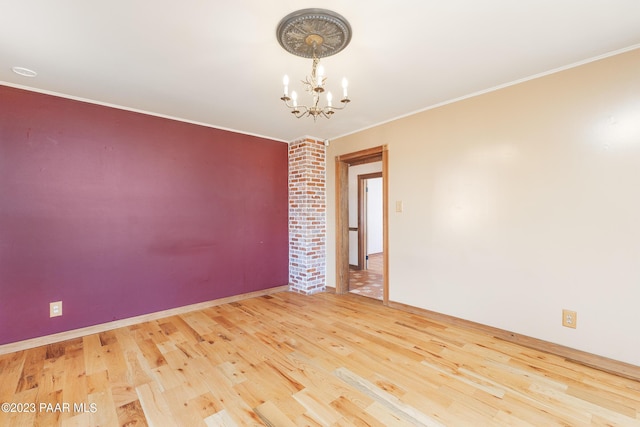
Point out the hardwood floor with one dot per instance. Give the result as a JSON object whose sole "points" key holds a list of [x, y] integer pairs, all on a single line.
{"points": [[293, 360]]}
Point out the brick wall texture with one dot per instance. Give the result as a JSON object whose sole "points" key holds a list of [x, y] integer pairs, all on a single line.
{"points": [[307, 216]]}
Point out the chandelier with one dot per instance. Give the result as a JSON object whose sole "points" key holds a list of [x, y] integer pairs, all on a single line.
{"points": [[315, 34]]}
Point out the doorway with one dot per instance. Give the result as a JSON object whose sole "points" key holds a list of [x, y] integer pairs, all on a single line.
{"points": [[365, 230], [343, 163]]}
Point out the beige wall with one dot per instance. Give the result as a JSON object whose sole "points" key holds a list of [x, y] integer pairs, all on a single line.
{"points": [[519, 203]]}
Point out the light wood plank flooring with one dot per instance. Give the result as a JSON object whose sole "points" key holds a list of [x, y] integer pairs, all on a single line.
{"points": [[293, 360]]}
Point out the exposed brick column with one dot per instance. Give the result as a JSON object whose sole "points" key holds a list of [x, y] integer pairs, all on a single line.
{"points": [[307, 216]]}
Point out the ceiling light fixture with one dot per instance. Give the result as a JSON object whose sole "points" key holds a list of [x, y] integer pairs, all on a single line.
{"points": [[315, 34], [24, 71]]}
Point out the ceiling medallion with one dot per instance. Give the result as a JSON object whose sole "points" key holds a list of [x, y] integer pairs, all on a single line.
{"points": [[313, 33]]}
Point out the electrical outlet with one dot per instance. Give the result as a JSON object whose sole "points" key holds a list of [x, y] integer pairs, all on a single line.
{"points": [[55, 309], [569, 318]]}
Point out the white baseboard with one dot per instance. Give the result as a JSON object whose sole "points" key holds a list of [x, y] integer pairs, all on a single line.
{"points": [[95, 329], [602, 363]]}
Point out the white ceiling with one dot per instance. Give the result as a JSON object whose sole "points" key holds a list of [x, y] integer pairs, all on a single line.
{"points": [[218, 62]]}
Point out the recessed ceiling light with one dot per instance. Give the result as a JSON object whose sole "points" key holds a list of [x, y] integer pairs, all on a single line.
{"points": [[24, 72]]}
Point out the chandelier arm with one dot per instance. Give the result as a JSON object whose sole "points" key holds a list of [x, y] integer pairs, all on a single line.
{"points": [[286, 103], [286, 100], [334, 108], [300, 111], [324, 110]]}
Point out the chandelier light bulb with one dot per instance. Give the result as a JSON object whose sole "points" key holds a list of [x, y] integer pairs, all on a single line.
{"points": [[345, 84], [294, 98], [285, 82], [329, 99]]}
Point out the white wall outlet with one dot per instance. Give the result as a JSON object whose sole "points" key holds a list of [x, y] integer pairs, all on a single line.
{"points": [[55, 309], [569, 319]]}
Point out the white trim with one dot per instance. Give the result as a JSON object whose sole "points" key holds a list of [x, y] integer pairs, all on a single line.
{"points": [[502, 86], [305, 137], [135, 110], [77, 333]]}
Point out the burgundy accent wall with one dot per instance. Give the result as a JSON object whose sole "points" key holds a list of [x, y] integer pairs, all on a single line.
{"points": [[120, 214]]}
